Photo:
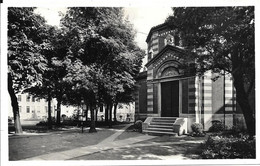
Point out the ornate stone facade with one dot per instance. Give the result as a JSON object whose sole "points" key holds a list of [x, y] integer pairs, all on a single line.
{"points": [[172, 88]]}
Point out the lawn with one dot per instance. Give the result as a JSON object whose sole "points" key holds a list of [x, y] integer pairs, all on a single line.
{"points": [[21, 147]]}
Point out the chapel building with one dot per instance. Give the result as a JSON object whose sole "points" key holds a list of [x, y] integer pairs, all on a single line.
{"points": [[171, 88]]}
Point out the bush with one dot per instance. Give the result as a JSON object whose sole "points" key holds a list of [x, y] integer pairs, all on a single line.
{"points": [[217, 126], [197, 130], [138, 126], [70, 123], [45, 122], [228, 147], [42, 123]]}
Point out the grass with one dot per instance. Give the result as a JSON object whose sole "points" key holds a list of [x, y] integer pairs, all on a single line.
{"points": [[44, 128], [47, 141]]}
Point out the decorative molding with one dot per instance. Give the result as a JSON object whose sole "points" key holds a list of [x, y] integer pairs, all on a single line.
{"points": [[170, 71], [168, 56]]}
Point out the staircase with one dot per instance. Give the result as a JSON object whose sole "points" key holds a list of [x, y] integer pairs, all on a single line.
{"points": [[160, 126]]}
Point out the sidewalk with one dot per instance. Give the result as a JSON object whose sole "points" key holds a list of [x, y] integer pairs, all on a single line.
{"points": [[108, 143]]}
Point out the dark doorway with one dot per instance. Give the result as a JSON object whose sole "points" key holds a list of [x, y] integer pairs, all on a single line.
{"points": [[170, 99]]}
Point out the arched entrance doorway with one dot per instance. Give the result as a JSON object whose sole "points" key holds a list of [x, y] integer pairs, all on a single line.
{"points": [[170, 89], [170, 99]]}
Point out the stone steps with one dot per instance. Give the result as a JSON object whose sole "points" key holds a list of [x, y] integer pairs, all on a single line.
{"points": [[159, 133], [164, 121], [164, 118], [161, 123], [161, 126], [160, 129]]}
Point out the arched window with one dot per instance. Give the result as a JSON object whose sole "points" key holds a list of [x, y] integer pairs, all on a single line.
{"points": [[170, 71], [169, 40]]}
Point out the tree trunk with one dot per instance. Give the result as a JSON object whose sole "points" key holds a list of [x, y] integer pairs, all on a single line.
{"points": [[58, 111], [49, 112], [14, 102], [243, 101], [96, 115], [115, 108], [110, 115], [92, 124], [86, 113], [106, 113]]}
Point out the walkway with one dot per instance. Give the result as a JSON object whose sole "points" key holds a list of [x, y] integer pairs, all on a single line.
{"points": [[108, 143]]}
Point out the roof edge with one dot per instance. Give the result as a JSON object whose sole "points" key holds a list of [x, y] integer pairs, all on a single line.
{"points": [[155, 28], [163, 51]]}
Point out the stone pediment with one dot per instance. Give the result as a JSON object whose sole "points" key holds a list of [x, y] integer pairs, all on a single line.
{"points": [[168, 53]]}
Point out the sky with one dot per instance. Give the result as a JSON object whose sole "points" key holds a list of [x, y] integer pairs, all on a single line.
{"points": [[143, 19]]}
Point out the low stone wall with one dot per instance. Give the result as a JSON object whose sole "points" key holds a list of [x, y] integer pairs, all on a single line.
{"points": [[146, 123], [181, 126]]}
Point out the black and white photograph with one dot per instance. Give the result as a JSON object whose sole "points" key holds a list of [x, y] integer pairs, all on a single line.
{"points": [[129, 83]]}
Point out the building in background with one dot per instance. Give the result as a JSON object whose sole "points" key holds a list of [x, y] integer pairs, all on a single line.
{"points": [[33, 108]]}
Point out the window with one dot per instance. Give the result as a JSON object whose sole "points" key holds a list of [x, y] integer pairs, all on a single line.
{"points": [[28, 109], [28, 98], [19, 98], [20, 109], [33, 99]]}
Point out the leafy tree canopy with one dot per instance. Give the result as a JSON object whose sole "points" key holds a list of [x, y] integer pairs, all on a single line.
{"points": [[27, 39], [105, 45], [222, 39]]}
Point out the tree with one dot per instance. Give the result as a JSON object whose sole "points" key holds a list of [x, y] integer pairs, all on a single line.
{"points": [[223, 40], [105, 44], [84, 79], [26, 63], [58, 62], [51, 85]]}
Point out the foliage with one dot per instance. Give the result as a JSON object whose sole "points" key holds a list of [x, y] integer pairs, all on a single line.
{"points": [[70, 122], [222, 39], [217, 126], [104, 58], [76, 114], [138, 126], [91, 58], [197, 130], [237, 129], [45, 123], [105, 44], [228, 147], [26, 42]]}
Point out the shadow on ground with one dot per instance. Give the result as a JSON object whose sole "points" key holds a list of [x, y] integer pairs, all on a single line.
{"points": [[148, 151]]}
